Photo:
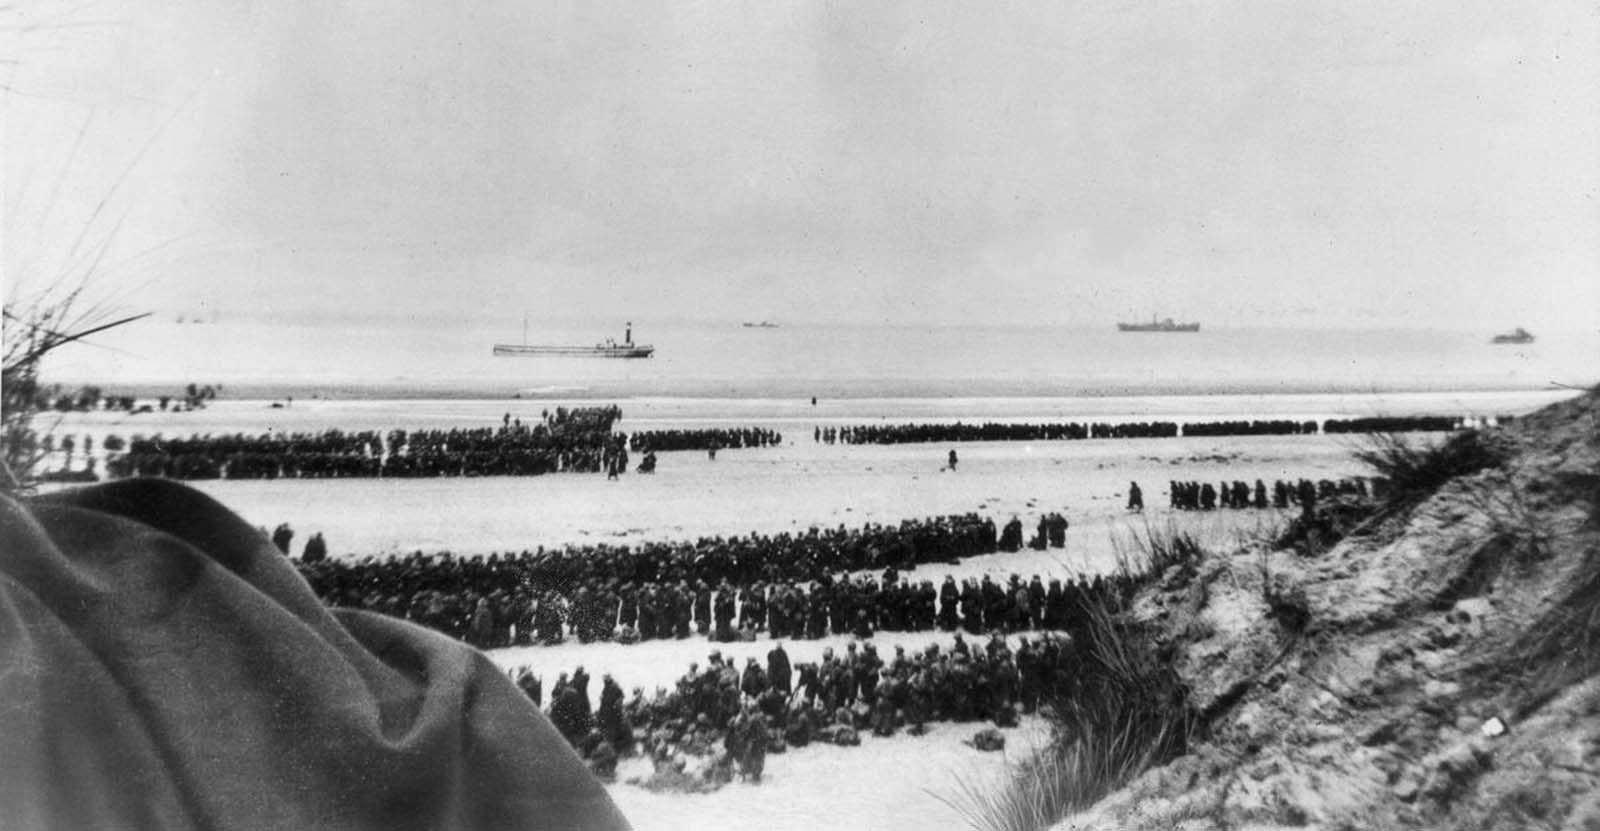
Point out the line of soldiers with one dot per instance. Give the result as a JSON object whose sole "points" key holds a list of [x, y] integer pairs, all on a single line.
{"points": [[578, 440], [1028, 431], [740, 560], [717, 439], [1303, 493], [861, 607], [990, 431]]}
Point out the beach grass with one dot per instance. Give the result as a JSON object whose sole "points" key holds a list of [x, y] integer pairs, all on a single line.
{"points": [[1125, 712], [1415, 470]]}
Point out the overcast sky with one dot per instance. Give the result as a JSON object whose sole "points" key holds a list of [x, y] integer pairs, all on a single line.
{"points": [[1433, 163]]}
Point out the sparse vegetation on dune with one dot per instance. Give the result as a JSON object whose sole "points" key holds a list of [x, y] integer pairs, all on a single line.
{"points": [[33, 329], [1430, 660], [1151, 552], [1126, 711], [1414, 470]]}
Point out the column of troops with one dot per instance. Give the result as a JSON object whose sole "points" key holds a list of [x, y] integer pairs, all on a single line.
{"points": [[577, 440], [722, 588], [728, 438], [1060, 431], [1302, 493]]}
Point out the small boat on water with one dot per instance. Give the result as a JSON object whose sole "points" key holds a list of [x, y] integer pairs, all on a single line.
{"points": [[1164, 325], [1518, 335], [609, 348], [765, 324]]}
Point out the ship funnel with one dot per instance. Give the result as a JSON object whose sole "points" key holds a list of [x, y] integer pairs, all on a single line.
{"points": [[627, 336]]}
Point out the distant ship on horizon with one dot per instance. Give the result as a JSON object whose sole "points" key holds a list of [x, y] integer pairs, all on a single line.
{"points": [[1163, 325], [606, 349], [1519, 335], [765, 324]]}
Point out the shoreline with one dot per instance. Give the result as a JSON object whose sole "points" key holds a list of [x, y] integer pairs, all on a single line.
{"points": [[855, 390]]}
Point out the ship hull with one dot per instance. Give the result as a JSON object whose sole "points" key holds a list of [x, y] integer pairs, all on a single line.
{"points": [[504, 350]]}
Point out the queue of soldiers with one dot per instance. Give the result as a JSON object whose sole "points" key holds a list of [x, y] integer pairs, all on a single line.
{"points": [[512, 614], [89, 398], [730, 717], [740, 560], [577, 440], [959, 432], [1268, 427], [1303, 493], [1398, 424], [719, 439], [581, 440]]}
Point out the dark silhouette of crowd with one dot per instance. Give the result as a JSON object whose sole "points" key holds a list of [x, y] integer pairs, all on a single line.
{"points": [[724, 587], [719, 439], [733, 717], [1271, 427], [578, 440], [711, 559], [581, 440], [1302, 493], [992, 431], [512, 615], [1395, 424], [90, 398], [989, 431]]}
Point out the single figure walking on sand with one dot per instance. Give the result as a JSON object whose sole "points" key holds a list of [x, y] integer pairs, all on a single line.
{"points": [[953, 459]]}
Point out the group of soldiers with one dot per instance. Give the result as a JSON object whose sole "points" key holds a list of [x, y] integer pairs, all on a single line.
{"points": [[581, 440], [628, 613], [717, 439], [316, 549], [734, 717], [1051, 533], [1303, 493], [1027, 431], [577, 440], [741, 560], [722, 588], [990, 431]]}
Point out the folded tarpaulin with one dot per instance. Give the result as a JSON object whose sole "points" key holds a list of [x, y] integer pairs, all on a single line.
{"points": [[163, 666]]}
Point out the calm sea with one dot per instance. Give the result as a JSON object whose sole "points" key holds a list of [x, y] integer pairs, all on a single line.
{"points": [[799, 361]]}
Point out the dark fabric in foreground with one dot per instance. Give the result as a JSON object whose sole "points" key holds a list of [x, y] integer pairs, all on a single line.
{"points": [[163, 666]]}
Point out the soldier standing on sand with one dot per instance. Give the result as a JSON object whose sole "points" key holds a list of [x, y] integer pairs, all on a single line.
{"points": [[282, 536], [530, 685], [316, 549], [1011, 536], [754, 759], [953, 459], [778, 670], [1135, 497], [948, 595], [610, 715], [702, 608]]}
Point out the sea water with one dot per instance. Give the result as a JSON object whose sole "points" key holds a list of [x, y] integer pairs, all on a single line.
{"points": [[730, 361]]}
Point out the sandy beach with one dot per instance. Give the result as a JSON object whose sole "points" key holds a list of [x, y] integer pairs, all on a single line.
{"points": [[886, 783], [787, 488]]}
